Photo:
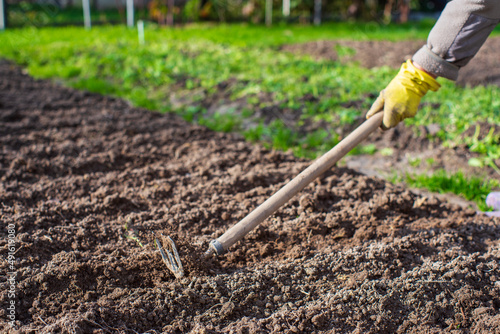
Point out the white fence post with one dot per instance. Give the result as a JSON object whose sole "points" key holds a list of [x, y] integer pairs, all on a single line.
{"points": [[86, 13], [130, 13], [3, 14], [317, 12], [140, 31], [170, 12], [286, 8], [269, 12]]}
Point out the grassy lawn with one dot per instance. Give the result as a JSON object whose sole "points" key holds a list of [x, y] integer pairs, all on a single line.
{"points": [[179, 70]]}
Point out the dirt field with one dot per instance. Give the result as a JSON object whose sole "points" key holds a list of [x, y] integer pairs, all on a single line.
{"points": [[87, 181]]}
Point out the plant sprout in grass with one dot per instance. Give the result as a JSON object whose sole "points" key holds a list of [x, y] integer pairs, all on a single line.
{"points": [[315, 143], [222, 122], [191, 113], [430, 161], [281, 136], [344, 51], [387, 151], [369, 149], [255, 133], [349, 116], [488, 146]]}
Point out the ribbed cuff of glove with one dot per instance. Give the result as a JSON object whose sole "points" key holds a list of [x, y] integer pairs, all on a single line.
{"points": [[435, 64], [417, 80]]}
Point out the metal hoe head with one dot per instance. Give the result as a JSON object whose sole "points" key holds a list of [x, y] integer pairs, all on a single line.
{"points": [[170, 256]]}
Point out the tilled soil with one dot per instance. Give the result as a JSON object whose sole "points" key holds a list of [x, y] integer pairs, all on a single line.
{"points": [[87, 182]]}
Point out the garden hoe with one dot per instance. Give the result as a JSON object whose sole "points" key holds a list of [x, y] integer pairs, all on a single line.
{"points": [[253, 219]]}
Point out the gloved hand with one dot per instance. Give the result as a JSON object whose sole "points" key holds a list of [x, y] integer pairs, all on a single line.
{"points": [[400, 99]]}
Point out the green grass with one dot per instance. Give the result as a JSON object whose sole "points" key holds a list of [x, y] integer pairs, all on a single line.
{"points": [[471, 188], [247, 35], [189, 65]]}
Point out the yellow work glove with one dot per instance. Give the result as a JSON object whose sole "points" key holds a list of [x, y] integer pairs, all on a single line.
{"points": [[400, 99]]}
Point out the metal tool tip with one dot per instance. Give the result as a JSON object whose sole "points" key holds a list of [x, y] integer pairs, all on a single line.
{"points": [[170, 256], [209, 253]]}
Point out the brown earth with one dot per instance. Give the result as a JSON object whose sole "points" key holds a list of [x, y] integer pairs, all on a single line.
{"points": [[87, 181], [482, 69]]}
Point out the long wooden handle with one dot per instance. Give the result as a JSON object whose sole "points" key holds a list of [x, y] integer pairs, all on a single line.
{"points": [[273, 203]]}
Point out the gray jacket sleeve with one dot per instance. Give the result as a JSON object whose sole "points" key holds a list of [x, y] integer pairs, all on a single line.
{"points": [[459, 33]]}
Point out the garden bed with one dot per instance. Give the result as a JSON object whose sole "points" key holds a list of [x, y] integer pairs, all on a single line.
{"points": [[88, 180]]}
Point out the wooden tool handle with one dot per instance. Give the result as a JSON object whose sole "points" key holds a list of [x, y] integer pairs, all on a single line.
{"points": [[317, 168]]}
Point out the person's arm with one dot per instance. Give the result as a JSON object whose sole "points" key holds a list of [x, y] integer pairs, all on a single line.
{"points": [[459, 33], [434, 76]]}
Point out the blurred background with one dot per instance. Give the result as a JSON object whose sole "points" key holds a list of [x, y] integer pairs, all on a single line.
{"points": [[19, 13]]}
